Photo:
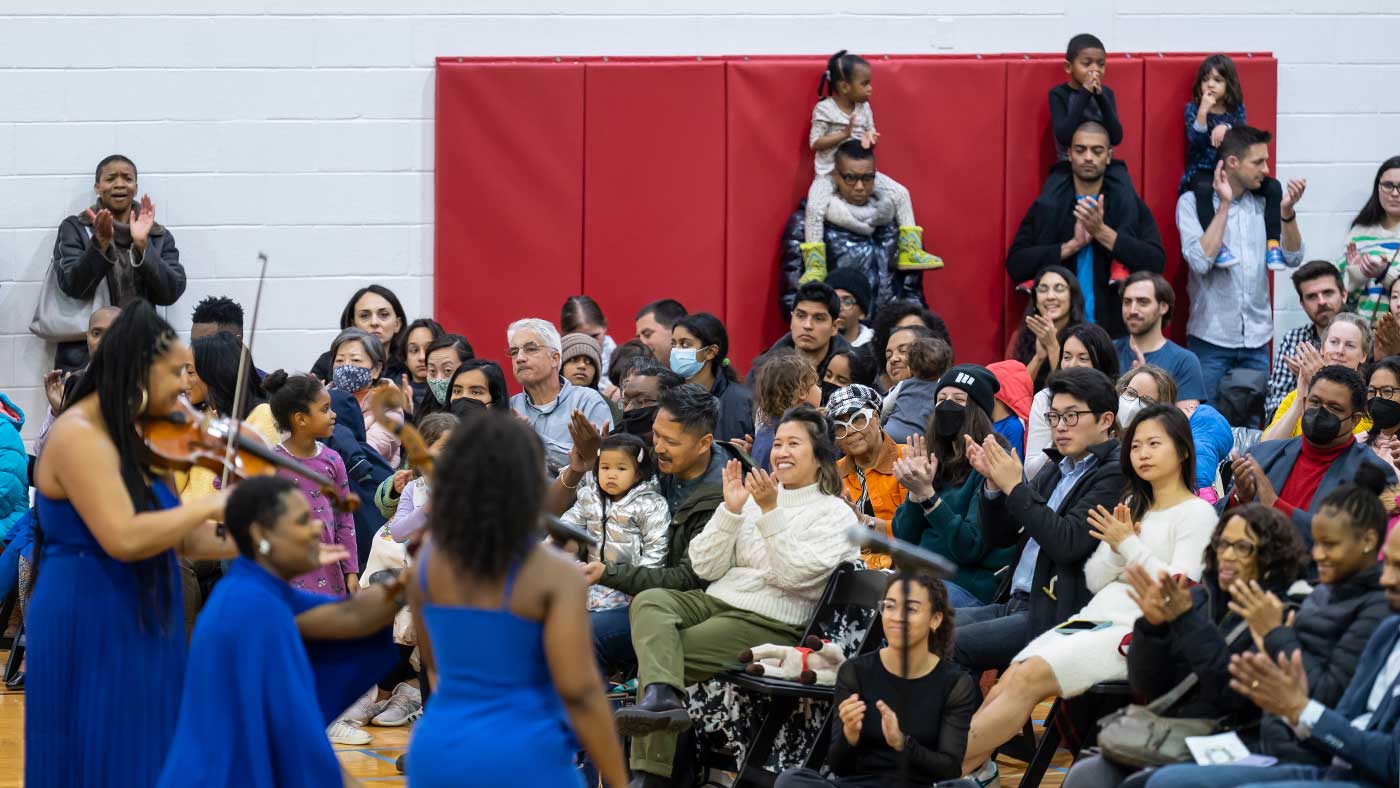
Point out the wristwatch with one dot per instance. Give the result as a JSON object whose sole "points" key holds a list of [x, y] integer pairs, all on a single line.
{"points": [[929, 504]]}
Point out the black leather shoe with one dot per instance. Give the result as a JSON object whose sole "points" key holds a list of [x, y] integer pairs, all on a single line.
{"points": [[16, 683], [399, 763], [648, 780], [660, 709]]}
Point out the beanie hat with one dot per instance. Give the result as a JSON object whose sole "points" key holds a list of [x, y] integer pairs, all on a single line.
{"points": [[852, 399], [575, 345], [979, 383], [854, 282]]}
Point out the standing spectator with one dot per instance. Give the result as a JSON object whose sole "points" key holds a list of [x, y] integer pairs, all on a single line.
{"points": [[700, 354], [1372, 259], [116, 242], [549, 401], [1318, 284], [375, 310], [867, 464], [1056, 303], [1231, 321], [654, 323], [582, 315], [1148, 302], [854, 293]]}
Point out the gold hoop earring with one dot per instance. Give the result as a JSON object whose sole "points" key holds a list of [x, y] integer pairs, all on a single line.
{"points": [[145, 401]]}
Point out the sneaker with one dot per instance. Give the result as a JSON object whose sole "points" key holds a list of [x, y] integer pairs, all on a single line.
{"points": [[365, 708], [1273, 257], [1226, 258], [988, 776], [342, 732], [403, 707]]}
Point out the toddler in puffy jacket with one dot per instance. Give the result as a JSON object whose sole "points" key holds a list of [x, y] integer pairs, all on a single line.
{"points": [[14, 467]]}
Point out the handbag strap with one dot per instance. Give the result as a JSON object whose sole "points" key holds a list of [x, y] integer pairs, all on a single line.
{"points": [[1175, 694]]}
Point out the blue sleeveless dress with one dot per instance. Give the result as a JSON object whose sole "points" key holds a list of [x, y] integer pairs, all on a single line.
{"points": [[102, 691], [494, 719]]}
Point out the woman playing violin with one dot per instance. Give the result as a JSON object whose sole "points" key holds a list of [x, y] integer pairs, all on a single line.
{"points": [[106, 637]]}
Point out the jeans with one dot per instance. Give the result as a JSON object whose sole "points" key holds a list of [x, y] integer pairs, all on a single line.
{"points": [[987, 637], [1183, 776], [612, 640], [1216, 361], [959, 596]]}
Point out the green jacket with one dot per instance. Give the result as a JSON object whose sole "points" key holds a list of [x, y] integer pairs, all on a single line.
{"points": [[953, 531], [689, 519]]}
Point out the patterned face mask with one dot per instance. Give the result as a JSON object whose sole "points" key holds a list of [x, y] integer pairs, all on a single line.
{"points": [[439, 389], [349, 378]]}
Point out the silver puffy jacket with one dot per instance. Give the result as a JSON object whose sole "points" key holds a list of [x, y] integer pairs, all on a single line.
{"points": [[637, 527]]}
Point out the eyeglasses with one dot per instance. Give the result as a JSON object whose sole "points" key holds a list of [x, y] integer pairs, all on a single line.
{"points": [[1069, 417], [1393, 188], [856, 423], [530, 349], [888, 606], [852, 178], [1048, 289], [848, 301], [1387, 392], [1242, 549], [1133, 395]]}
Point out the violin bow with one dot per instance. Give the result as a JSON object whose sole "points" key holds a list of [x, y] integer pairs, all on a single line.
{"points": [[236, 418]]}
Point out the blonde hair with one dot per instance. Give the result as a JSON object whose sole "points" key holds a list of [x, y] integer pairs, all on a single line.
{"points": [[780, 383], [1361, 325]]}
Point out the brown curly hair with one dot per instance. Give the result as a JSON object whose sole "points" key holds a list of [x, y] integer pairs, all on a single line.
{"points": [[940, 641], [780, 383], [1280, 555]]}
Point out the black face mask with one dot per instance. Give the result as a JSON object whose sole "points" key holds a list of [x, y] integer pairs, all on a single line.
{"points": [[948, 418], [1385, 413], [462, 406], [638, 422], [827, 390], [1320, 426]]}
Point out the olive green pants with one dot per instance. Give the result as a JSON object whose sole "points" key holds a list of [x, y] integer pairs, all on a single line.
{"points": [[682, 637]]}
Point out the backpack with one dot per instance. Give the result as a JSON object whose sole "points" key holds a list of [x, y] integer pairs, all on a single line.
{"points": [[1241, 397]]}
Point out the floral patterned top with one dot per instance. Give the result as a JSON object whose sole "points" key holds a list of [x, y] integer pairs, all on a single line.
{"points": [[336, 527]]}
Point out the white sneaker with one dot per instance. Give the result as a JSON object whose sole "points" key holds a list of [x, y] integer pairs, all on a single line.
{"points": [[342, 732], [364, 708], [988, 775], [403, 707]]}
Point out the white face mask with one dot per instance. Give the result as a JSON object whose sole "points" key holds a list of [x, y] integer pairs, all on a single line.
{"points": [[1127, 409]]}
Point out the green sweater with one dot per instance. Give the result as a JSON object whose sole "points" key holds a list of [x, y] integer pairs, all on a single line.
{"points": [[952, 530]]}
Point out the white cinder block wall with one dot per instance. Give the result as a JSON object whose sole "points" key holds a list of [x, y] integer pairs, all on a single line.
{"points": [[304, 127]]}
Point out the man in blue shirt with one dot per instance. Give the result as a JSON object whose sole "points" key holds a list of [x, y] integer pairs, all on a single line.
{"points": [[549, 401], [1148, 301]]}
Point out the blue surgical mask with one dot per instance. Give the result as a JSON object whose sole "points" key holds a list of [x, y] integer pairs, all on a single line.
{"points": [[349, 378], [684, 362], [439, 389]]}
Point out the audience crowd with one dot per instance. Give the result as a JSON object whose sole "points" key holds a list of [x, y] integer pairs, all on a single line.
{"points": [[1200, 521]]}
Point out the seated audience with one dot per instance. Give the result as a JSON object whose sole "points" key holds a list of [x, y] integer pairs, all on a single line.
{"points": [[1093, 224], [700, 354], [582, 315], [1346, 342], [376, 311], [442, 357], [549, 401], [1150, 385], [654, 323], [212, 388], [848, 367], [908, 406], [416, 339], [642, 386], [1013, 402], [1160, 526], [944, 507], [1193, 630], [1295, 474], [1084, 345], [767, 554], [1231, 320], [1056, 303], [633, 351], [1370, 262], [580, 363], [214, 315], [358, 360], [853, 290], [116, 244], [1319, 287], [481, 380], [1383, 407], [812, 329], [867, 463], [869, 739], [899, 316], [783, 381], [896, 350], [59, 383], [1148, 302], [1358, 735]]}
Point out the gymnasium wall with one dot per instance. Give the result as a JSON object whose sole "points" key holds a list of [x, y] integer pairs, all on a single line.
{"points": [[305, 127]]}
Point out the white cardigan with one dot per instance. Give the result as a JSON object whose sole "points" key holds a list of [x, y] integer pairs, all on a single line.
{"points": [[775, 564], [1172, 540]]}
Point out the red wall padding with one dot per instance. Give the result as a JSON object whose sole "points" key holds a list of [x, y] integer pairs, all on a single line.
{"points": [[639, 178]]}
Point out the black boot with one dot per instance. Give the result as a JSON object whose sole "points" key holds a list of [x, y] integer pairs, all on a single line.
{"points": [[648, 780], [660, 709]]}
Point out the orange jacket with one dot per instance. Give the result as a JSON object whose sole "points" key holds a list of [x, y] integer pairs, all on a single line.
{"points": [[884, 491]]}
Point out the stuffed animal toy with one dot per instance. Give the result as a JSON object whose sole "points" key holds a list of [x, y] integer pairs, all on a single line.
{"points": [[814, 662]]}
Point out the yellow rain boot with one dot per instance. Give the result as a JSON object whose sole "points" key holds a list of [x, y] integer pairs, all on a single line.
{"points": [[814, 263], [912, 256]]}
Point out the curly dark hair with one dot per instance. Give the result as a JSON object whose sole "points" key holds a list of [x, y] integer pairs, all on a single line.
{"points": [[256, 500], [289, 395], [940, 641], [1280, 552], [486, 494]]}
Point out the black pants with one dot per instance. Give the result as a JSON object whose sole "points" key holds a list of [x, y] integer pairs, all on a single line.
{"points": [[1271, 191], [1096, 771]]}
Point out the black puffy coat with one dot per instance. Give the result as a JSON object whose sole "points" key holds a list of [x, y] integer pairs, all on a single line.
{"points": [[874, 255]]}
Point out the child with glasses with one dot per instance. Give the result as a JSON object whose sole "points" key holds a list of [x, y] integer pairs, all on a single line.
{"points": [[842, 117]]}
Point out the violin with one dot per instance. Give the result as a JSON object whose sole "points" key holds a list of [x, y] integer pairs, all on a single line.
{"points": [[186, 438], [386, 398]]}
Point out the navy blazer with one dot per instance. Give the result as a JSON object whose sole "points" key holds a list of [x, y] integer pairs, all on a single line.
{"points": [[1375, 751], [1277, 458]]}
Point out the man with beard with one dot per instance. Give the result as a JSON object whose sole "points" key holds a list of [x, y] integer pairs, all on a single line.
{"points": [[1086, 230], [1321, 294], [1148, 302]]}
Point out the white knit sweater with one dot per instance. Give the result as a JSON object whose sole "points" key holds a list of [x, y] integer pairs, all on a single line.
{"points": [[775, 564], [1172, 540]]}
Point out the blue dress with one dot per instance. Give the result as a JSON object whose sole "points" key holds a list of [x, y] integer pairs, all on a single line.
{"points": [[105, 670], [494, 719], [257, 703]]}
